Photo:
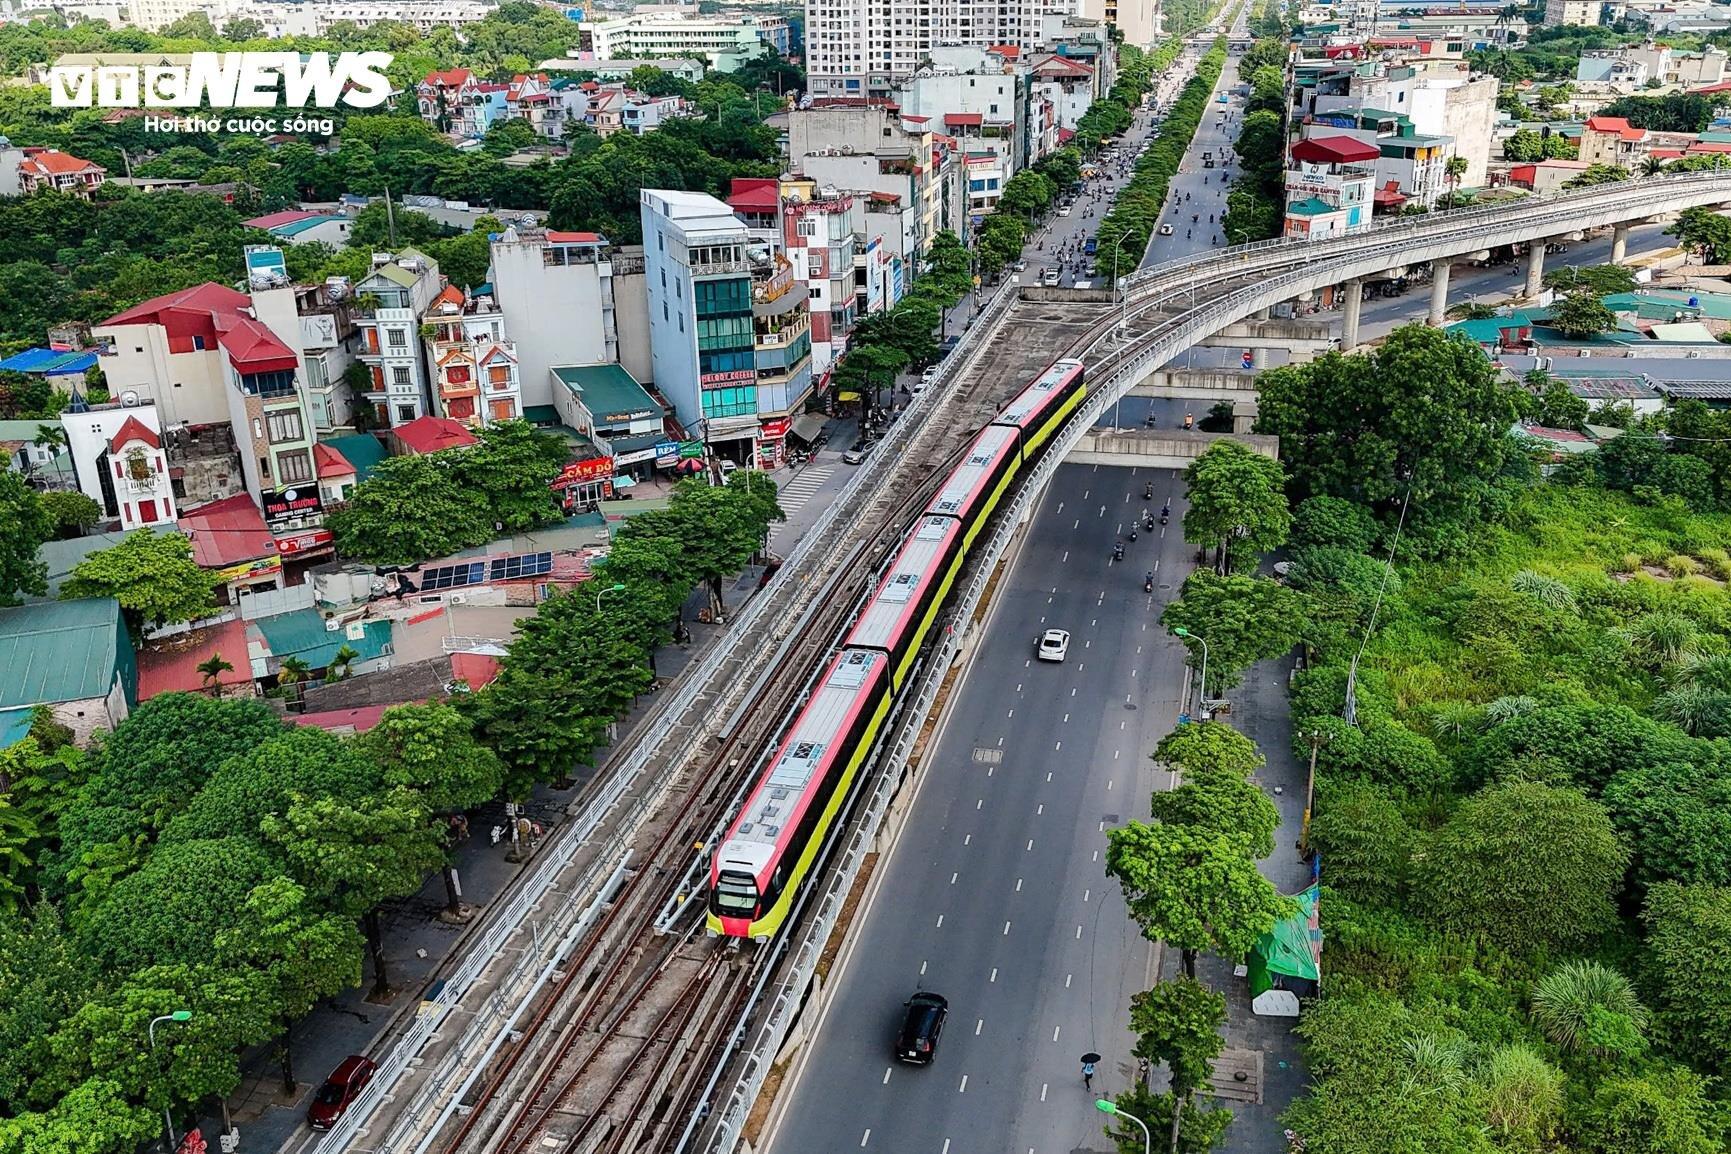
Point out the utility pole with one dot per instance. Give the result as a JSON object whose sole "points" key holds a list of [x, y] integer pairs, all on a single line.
{"points": [[1317, 738]]}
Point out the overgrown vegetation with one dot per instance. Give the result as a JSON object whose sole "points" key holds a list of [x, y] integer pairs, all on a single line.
{"points": [[1523, 827], [1255, 204]]}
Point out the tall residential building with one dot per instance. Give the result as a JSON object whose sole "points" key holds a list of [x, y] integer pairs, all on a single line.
{"points": [[1582, 12], [393, 297], [569, 298], [864, 48], [891, 161], [822, 232], [781, 326], [473, 366], [1329, 187], [701, 332]]}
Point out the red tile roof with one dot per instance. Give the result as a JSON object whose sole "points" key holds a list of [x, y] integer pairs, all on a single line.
{"points": [[213, 313], [1666, 153], [330, 463], [347, 720], [171, 665], [450, 78], [432, 435], [917, 119], [963, 119], [1616, 124], [555, 237], [286, 216], [133, 429], [52, 162], [1703, 147], [227, 532], [450, 294], [478, 669], [755, 194], [1333, 150], [1007, 51]]}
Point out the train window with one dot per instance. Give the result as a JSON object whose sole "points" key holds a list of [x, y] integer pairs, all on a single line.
{"points": [[735, 894]]}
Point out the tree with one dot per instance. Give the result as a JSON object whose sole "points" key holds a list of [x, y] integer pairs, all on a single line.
{"points": [[1243, 620], [1193, 889], [720, 530], [1202, 1128], [72, 512], [1362, 834], [211, 670], [299, 952], [514, 465], [431, 750], [1666, 1110], [1333, 523], [1453, 169], [357, 853], [1585, 1006], [1216, 792], [1526, 865], [1582, 314], [1703, 231], [410, 509], [1687, 968], [1603, 279], [342, 663], [1237, 499], [1558, 406], [1676, 815], [1424, 414], [24, 525], [152, 575], [1178, 1023]]}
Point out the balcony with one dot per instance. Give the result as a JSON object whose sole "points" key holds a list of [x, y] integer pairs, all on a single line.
{"points": [[719, 267]]}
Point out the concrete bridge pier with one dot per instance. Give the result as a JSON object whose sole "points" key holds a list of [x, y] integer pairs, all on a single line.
{"points": [[1259, 358], [1619, 243], [1439, 293], [1535, 268], [1352, 307]]}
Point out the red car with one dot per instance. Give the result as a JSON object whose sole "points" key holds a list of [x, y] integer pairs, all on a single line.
{"points": [[340, 1091]]}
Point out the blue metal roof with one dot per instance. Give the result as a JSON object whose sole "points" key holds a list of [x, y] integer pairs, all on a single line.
{"points": [[50, 362]]}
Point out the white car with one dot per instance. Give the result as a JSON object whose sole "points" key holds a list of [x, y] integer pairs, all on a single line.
{"points": [[1165, 230], [1054, 645], [1065, 211]]}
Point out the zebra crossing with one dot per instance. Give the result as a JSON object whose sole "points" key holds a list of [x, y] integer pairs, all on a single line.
{"points": [[804, 486]]}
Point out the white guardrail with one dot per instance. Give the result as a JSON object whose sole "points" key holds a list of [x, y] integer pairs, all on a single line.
{"points": [[1344, 259]]}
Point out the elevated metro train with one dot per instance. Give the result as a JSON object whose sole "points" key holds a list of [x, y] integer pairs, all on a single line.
{"points": [[771, 845]]}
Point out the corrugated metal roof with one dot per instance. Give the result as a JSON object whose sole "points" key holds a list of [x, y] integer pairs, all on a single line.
{"points": [[61, 651], [303, 634]]}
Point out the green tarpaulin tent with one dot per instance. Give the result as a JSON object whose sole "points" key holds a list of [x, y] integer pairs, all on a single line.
{"points": [[1290, 955]]}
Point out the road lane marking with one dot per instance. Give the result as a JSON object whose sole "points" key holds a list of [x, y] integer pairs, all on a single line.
{"points": [[1012, 713], [1030, 843], [922, 967], [1043, 1086], [1078, 524], [866, 1137], [978, 1026], [994, 976], [886, 1080], [953, 878], [1018, 885], [1065, 557], [1072, 691], [1039, 809], [1066, 719], [946, 1149], [1078, 933], [1085, 894], [1018, 687], [940, 921], [1102, 827], [980, 804], [1048, 775], [1096, 855], [1067, 978], [1055, 1030], [963, 1088], [1115, 754], [969, 838], [1058, 748]]}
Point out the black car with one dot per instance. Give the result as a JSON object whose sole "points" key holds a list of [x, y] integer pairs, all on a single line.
{"points": [[922, 1025]]}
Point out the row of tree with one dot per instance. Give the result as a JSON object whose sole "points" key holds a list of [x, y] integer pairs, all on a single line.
{"points": [[1136, 210]]}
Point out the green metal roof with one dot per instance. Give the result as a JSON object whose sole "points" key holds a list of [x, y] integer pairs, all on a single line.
{"points": [[15, 725], [1310, 207], [64, 651], [362, 450], [608, 392], [1657, 303], [303, 634], [541, 414], [1487, 330], [62, 557]]}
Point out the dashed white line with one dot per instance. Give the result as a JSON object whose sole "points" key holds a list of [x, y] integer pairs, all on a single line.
{"points": [[1085, 894], [1115, 754], [946, 1149], [994, 976], [887, 1070], [1030, 843], [1055, 1030], [1078, 933], [967, 839], [1096, 855], [940, 921], [978, 1026], [1012, 713], [1067, 978], [1018, 885], [1109, 780], [1043, 1086], [922, 967], [1066, 719], [963, 1088], [1078, 524], [1102, 827], [953, 878], [1058, 747], [866, 1137], [1065, 557], [1039, 809], [1048, 775]]}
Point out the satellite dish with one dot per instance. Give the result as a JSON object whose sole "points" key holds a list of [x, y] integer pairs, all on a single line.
{"points": [[129, 399]]}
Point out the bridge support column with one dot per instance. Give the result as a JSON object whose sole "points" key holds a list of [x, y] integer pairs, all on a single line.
{"points": [[1439, 293], [1351, 308], [1619, 243], [1258, 359], [1535, 268]]}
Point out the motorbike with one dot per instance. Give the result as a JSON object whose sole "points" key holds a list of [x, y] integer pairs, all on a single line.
{"points": [[1148, 583], [1148, 522], [1148, 493], [1189, 420], [1117, 552], [1195, 218], [1150, 422], [1132, 530]]}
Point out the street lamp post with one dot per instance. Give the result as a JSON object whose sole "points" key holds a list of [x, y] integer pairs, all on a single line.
{"points": [[599, 593], [150, 1032], [1202, 690], [1107, 1106]]}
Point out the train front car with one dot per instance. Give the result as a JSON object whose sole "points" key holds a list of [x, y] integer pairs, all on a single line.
{"points": [[1043, 406], [769, 849]]}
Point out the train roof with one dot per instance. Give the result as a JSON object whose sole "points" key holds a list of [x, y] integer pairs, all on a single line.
{"points": [[1033, 399], [966, 483], [813, 742], [918, 564]]}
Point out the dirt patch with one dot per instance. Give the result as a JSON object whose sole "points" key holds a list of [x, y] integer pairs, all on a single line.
{"points": [[838, 932], [759, 1115]]}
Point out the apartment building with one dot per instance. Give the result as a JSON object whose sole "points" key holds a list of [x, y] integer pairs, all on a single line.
{"points": [[701, 325], [569, 298], [911, 184], [1612, 140], [725, 41], [1587, 13], [865, 48], [975, 97], [392, 298], [822, 231], [1413, 161], [472, 365], [315, 17]]}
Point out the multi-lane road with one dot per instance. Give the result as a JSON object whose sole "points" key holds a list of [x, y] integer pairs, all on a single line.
{"points": [[996, 895]]}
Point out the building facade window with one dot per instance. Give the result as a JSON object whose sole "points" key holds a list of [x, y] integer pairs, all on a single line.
{"points": [[400, 377], [294, 468], [397, 338], [285, 427], [730, 402]]}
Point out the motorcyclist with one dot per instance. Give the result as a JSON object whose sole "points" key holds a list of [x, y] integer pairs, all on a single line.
{"points": [[1210, 218], [1148, 582], [1148, 492], [1118, 551]]}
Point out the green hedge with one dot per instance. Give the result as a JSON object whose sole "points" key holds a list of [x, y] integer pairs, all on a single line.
{"points": [[1137, 209]]}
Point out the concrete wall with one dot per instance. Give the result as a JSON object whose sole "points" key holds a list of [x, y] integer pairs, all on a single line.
{"points": [[1162, 448]]}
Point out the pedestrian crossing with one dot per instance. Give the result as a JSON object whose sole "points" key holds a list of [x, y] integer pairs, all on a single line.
{"points": [[804, 486]]}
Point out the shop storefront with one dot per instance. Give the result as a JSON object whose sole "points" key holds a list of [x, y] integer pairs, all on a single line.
{"points": [[772, 442], [583, 485]]}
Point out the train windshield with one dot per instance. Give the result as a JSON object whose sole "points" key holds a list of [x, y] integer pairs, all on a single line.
{"points": [[736, 894]]}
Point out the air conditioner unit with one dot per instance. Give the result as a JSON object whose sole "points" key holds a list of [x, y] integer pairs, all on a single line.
{"points": [[332, 625], [459, 599]]}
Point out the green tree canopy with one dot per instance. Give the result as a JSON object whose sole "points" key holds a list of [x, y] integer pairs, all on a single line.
{"points": [[1526, 865], [24, 525], [152, 575], [1237, 500], [1243, 620]]}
